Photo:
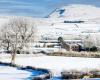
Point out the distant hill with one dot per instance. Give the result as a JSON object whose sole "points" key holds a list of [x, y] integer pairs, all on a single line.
{"points": [[77, 12], [67, 21]]}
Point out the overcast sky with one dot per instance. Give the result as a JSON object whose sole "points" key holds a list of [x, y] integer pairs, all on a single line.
{"points": [[37, 8]]}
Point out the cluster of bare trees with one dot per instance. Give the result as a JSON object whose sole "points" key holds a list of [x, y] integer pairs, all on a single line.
{"points": [[92, 40], [16, 34]]}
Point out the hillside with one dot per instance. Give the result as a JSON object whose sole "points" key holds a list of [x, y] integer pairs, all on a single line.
{"points": [[77, 12], [61, 22]]}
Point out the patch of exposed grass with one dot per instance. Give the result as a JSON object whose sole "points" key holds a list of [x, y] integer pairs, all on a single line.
{"points": [[77, 54]]}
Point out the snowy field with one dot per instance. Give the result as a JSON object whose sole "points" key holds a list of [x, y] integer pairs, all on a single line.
{"points": [[10, 73], [57, 64]]}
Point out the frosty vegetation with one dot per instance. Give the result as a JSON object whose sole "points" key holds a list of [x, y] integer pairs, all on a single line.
{"points": [[92, 40], [15, 34]]}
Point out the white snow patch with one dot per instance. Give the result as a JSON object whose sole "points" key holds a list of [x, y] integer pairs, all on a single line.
{"points": [[10, 73], [58, 64]]}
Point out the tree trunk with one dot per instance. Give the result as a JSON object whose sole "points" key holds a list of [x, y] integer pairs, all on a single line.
{"points": [[8, 46], [13, 56]]}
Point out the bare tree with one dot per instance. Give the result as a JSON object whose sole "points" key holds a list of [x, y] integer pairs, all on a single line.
{"points": [[16, 34], [90, 41]]}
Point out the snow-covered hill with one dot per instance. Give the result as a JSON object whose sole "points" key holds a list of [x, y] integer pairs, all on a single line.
{"points": [[58, 22], [77, 12]]}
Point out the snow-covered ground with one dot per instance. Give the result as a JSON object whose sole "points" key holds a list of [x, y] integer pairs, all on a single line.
{"points": [[57, 64], [11, 73]]}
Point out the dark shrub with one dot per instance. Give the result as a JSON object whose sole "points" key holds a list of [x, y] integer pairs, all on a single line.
{"points": [[94, 48], [37, 78]]}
